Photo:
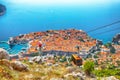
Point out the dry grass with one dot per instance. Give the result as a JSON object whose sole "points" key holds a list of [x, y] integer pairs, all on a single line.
{"points": [[36, 72]]}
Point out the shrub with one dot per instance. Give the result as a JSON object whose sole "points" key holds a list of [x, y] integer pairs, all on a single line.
{"points": [[106, 72], [95, 56], [35, 54], [111, 66], [88, 67], [112, 49], [108, 45]]}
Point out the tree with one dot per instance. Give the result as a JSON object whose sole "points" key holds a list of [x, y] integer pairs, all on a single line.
{"points": [[81, 39], [78, 48], [108, 45], [88, 67], [112, 49]]}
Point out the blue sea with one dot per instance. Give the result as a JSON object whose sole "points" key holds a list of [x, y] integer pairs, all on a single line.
{"points": [[25, 16]]}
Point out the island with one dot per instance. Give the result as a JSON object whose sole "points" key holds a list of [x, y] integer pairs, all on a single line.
{"points": [[2, 9]]}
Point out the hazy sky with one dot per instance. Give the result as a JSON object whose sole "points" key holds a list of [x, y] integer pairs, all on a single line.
{"points": [[64, 2]]}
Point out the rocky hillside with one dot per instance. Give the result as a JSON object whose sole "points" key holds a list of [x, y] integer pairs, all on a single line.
{"points": [[116, 39]]}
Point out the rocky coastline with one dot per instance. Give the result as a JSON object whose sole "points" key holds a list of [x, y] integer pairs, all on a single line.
{"points": [[116, 39], [62, 42], [2, 9], [56, 39], [57, 63]]}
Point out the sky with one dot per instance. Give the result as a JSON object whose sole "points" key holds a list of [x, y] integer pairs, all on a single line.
{"points": [[64, 2]]}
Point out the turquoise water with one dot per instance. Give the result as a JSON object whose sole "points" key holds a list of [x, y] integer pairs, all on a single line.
{"points": [[16, 49], [25, 17]]}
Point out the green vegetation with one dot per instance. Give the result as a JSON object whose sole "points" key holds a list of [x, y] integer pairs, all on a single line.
{"points": [[81, 39], [88, 67], [109, 45], [107, 72], [35, 54], [112, 49], [37, 72], [63, 59]]}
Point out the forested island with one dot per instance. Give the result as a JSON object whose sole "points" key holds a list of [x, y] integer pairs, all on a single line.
{"points": [[2, 9]]}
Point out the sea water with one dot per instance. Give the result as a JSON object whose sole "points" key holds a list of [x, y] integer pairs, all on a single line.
{"points": [[22, 18], [16, 49]]}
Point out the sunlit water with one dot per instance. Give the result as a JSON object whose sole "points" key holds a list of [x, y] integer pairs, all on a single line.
{"points": [[25, 18]]}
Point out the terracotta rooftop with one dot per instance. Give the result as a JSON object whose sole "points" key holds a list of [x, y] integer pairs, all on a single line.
{"points": [[61, 40]]}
